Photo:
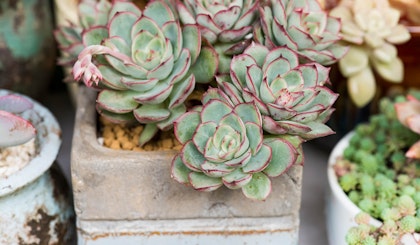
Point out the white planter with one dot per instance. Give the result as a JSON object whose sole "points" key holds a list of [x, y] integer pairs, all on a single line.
{"points": [[340, 210], [35, 203], [124, 197]]}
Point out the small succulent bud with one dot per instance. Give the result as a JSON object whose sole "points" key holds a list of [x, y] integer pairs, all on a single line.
{"points": [[369, 164], [386, 240], [354, 196], [380, 205], [389, 227], [367, 185], [348, 182], [416, 198], [386, 187], [390, 214], [355, 235], [367, 144], [407, 224], [366, 205], [408, 190], [406, 205], [362, 218], [369, 240]]}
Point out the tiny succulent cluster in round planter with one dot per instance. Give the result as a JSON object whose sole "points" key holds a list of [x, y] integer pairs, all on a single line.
{"points": [[378, 171]]}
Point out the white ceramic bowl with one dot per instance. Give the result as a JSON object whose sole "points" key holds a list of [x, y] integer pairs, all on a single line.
{"points": [[340, 210]]}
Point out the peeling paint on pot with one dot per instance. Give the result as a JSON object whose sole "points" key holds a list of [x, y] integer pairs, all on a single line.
{"points": [[35, 201]]}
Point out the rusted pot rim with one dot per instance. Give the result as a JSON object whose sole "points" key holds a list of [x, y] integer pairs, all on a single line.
{"points": [[48, 141]]}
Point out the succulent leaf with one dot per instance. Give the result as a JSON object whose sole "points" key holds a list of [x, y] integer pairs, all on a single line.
{"points": [[14, 128], [362, 87], [258, 188], [202, 182], [236, 179], [179, 171]]}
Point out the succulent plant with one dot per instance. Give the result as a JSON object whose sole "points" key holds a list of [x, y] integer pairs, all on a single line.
{"points": [[380, 178], [92, 15], [291, 97], [409, 9], [391, 232], [408, 114], [227, 25], [371, 29], [14, 129], [223, 144], [146, 68], [301, 25]]}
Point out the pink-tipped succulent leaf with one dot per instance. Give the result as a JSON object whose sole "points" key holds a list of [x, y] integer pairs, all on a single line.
{"points": [[14, 130]]}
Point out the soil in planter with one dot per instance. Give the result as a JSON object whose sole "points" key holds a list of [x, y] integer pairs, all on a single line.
{"points": [[120, 137], [12, 159]]}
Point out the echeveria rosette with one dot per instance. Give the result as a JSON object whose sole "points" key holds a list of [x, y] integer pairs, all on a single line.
{"points": [[291, 97], [226, 25], [301, 25], [14, 129], [223, 144], [146, 68], [92, 16], [371, 29]]}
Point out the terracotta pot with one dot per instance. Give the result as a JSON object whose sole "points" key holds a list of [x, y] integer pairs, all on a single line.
{"points": [[35, 201]]}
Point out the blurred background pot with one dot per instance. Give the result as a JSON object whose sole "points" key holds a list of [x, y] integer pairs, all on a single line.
{"points": [[347, 114], [35, 201], [27, 46]]}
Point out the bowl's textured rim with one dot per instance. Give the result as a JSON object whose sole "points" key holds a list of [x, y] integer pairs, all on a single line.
{"points": [[49, 141]]}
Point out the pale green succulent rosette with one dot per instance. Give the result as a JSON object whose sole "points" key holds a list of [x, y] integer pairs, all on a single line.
{"points": [[301, 25], [371, 29], [93, 16], [223, 144], [146, 68], [291, 97], [226, 25]]}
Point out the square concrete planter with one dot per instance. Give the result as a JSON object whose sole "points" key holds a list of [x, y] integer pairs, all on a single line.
{"points": [[124, 197]]}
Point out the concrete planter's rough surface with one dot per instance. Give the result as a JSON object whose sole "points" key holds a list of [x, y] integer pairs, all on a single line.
{"points": [[129, 197]]}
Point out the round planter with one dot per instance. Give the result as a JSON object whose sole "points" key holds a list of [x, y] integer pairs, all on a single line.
{"points": [[35, 201], [340, 210]]}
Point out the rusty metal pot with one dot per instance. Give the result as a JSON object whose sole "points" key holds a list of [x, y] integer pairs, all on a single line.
{"points": [[35, 201]]}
